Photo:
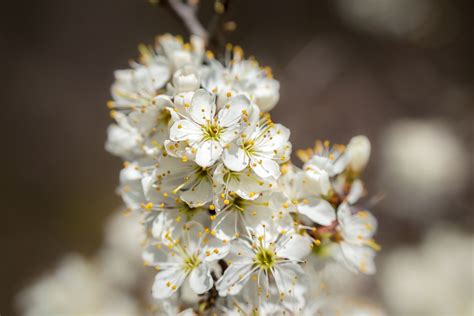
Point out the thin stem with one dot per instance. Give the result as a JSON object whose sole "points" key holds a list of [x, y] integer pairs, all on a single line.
{"points": [[187, 12], [188, 15]]}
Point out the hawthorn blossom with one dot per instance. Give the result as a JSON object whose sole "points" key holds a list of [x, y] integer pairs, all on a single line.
{"points": [[302, 198], [140, 132], [234, 215], [242, 76], [264, 148], [207, 129], [245, 183], [228, 219], [185, 179], [262, 256], [189, 257], [168, 216], [356, 248], [321, 164]]}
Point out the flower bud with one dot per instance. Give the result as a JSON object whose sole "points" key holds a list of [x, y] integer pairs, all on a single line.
{"points": [[358, 153], [186, 79]]}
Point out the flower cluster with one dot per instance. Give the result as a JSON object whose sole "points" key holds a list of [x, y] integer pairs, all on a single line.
{"points": [[229, 220]]}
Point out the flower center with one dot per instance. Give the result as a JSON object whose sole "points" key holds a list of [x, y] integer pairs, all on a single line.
{"points": [[164, 117], [212, 131], [190, 262], [188, 212], [265, 258]]}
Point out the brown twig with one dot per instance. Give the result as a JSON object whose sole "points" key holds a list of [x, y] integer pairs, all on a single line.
{"points": [[187, 13]]}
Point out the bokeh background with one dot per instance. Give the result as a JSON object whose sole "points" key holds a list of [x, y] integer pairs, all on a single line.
{"points": [[399, 71]]}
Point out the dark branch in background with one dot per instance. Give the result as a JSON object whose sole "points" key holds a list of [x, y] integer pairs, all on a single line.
{"points": [[187, 12], [216, 27]]}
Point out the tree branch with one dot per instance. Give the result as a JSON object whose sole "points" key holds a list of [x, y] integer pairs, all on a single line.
{"points": [[188, 15]]}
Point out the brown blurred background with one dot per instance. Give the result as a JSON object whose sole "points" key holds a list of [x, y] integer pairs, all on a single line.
{"points": [[345, 67]]}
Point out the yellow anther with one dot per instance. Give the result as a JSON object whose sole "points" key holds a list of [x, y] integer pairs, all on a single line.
{"points": [[209, 55]]}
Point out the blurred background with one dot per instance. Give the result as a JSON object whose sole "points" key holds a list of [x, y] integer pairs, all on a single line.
{"points": [[399, 71]]}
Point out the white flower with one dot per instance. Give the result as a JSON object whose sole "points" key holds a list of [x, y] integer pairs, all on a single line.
{"points": [[302, 199], [189, 257], [76, 287], [186, 79], [424, 163], [185, 179], [243, 308], [264, 256], [243, 76], [208, 130], [358, 152], [168, 216], [138, 86], [357, 249], [141, 131], [119, 259], [321, 164], [131, 188], [122, 139], [264, 147], [235, 214], [245, 183], [177, 53], [433, 278]]}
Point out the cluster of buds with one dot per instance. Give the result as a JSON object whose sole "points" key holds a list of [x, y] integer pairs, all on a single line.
{"points": [[230, 222]]}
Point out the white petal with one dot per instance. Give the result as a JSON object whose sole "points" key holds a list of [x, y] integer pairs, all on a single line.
{"points": [[198, 195], [359, 258], [200, 279], [208, 153], [265, 167], [234, 278], [295, 247], [215, 249], [317, 181], [235, 158], [286, 275], [154, 256], [358, 151], [233, 111], [185, 130], [226, 224], [267, 95], [357, 189], [202, 107], [167, 282], [318, 210]]}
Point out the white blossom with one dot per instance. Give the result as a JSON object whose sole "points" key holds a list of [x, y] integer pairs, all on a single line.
{"points": [[261, 255], [188, 257], [358, 152], [228, 220], [263, 147], [207, 129], [242, 76], [357, 249]]}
